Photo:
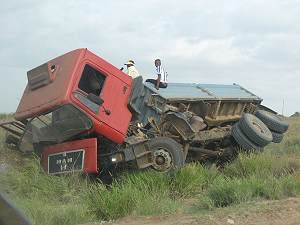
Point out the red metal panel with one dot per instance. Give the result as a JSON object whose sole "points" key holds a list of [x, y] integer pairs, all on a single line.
{"points": [[115, 94], [55, 93], [108, 132], [90, 153]]}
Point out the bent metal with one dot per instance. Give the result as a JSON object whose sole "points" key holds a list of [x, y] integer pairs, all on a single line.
{"points": [[80, 113]]}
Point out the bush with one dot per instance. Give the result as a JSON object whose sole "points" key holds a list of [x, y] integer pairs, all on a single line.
{"points": [[145, 193], [192, 179], [50, 213], [45, 199], [261, 165], [225, 191], [111, 204]]}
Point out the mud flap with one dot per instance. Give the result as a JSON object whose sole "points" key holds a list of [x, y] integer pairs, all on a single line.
{"points": [[140, 153], [178, 124]]}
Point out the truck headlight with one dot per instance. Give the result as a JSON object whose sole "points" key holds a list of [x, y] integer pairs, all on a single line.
{"points": [[116, 158]]}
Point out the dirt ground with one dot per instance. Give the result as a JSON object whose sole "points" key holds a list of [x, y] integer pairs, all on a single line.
{"points": [[281, 212]]}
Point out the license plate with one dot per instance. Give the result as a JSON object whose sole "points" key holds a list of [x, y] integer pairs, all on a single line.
{"points": [[64, 162]]}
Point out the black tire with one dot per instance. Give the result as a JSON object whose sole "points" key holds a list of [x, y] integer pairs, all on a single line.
{"points": [[273, 122], [168, 154], [242, 140], [277, 137], [255, 130]]}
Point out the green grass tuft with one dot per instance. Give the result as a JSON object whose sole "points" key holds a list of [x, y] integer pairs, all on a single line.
{"points": [[47, 200], [224, 192], [144, 193]]}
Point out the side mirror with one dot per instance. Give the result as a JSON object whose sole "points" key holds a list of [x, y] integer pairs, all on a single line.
{"points": [[95, 99]]}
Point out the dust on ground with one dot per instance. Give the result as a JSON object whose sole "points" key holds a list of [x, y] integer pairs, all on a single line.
{"points": [[279, 212]]}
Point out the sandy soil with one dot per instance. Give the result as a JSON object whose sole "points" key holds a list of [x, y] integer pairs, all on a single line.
{"points": [[281, 212]]}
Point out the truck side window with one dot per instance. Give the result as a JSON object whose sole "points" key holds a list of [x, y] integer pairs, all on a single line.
{"points": [[91, 81]]}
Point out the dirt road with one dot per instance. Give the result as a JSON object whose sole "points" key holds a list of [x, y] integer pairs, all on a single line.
{"points": [[281, 212]]}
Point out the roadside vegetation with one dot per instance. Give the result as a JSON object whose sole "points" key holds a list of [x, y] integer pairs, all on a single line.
{"points": [[62, 200]]}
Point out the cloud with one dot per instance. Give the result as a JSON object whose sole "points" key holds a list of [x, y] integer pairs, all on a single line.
{"points": [[254, 43], [219, 52]]}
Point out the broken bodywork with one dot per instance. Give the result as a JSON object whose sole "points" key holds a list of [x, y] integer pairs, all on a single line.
{"points": [[80, 113]]}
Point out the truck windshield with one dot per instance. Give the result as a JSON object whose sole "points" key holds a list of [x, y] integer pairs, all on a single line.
{"points": [[57, 126]]}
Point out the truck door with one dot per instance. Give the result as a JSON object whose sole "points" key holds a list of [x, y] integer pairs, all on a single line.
{"points": [[94, 81], [114, 93]]}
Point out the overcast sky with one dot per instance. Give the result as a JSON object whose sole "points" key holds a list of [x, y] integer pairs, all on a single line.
{"points": [[253, 43]]}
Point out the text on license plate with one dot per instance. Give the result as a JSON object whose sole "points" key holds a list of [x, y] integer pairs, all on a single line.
{"points": [[63, 162]]}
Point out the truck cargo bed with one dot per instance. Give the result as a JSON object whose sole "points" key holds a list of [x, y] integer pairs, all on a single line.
{"points": [[195, 92]]}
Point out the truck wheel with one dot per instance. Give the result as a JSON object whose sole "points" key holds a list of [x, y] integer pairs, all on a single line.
{"points": [[168, 154], [241, 139], [273, 122], [277, 137], [255, 130]]}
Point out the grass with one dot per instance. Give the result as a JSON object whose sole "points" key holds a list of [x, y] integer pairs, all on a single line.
{"points": [[135, 194], [291, 142], [66, 200], [4, 116], [47, 199]]}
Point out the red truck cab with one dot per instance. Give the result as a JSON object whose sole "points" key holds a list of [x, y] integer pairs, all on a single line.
{"points": [[57, 106], [68, 80]]}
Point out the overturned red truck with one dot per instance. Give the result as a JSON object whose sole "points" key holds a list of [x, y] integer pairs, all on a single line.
{"points": [[80, 113]]}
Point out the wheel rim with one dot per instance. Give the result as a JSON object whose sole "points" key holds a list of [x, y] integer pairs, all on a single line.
{"points": [[162, 160], [258, 127]]}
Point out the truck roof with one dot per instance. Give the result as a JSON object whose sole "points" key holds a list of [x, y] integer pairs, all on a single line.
{"points": [[194, 92]]}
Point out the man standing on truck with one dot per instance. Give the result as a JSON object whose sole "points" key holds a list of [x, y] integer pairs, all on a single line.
{"points": [[131, 70], [162, 76]]}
